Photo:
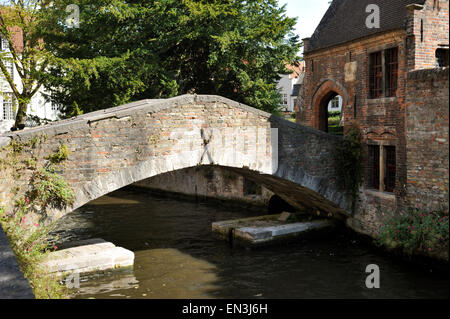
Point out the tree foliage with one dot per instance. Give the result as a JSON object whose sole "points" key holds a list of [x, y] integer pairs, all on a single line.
{"points": [[20, 28], [130, 50]]}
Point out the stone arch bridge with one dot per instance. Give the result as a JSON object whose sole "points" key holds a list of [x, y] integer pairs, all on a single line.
{"points": [[116, 147]]}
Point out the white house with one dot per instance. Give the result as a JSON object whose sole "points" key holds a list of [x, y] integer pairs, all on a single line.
{"points": [[335, 104], [38, 106], [289, 86]]}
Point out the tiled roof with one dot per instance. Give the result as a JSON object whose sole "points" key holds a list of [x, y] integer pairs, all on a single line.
{"points": [[297, 70], [345, 20]]}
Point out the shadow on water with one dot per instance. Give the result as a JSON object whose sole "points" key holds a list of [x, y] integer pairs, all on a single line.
{"points": [[177, 256]]}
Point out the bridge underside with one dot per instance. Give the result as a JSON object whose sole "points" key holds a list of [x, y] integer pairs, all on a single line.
{"points": [[297, 196], [241, 184], [300, 197]]}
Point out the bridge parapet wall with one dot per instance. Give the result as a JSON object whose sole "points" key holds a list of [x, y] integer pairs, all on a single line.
{"points": [[308, 157]]}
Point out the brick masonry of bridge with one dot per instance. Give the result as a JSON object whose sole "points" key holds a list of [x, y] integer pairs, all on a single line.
{"points": [[113, 148]]}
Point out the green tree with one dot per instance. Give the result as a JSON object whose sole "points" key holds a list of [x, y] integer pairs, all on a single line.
{"points": [[20, 27], [130, 50]]}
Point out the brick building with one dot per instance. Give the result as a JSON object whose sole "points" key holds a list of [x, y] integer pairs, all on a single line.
{"points": [[374, 70], [288, 86]]}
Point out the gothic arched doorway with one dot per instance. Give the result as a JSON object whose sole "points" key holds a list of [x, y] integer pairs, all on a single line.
{"points": [[328, 103], [331, 115]]}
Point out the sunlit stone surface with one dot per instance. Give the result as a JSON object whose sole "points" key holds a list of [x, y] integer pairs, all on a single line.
{"points": [[92, 255]]}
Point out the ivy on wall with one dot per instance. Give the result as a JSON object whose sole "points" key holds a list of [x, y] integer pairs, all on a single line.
{"points": [[350, 156]]}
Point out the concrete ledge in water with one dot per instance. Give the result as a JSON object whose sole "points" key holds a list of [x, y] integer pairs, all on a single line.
{"points": [[91, 256], [265, 229]]}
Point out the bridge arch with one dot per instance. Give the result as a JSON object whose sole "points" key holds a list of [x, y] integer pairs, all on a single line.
{"points": [[113, 148], [326, 90]]}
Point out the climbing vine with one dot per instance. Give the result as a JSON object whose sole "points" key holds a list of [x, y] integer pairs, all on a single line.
{"points": [[49, 189], [46, 189], [60, 155], [350, 156]]}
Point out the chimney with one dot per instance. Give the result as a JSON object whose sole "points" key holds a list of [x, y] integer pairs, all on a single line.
{"points": [[306, 44]]}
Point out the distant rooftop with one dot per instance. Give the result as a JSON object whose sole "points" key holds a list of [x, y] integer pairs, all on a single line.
{"points": [[297, 70]]}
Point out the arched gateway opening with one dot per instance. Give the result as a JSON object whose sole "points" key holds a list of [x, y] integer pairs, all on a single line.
{"points": [[331, 115], [328, 105]]}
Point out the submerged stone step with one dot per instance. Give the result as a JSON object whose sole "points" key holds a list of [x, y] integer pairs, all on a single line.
{"points": [[257, 235], [95, 255], [268, 228]]}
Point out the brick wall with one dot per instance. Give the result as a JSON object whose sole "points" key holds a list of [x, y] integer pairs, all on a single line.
{"points": [[427, 138], [344, 70], [427, 30]]}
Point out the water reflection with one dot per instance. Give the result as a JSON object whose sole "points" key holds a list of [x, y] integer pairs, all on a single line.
{"points": [[177, 256], [169, 273], [109, 285], [112, 200], [159, 273]]}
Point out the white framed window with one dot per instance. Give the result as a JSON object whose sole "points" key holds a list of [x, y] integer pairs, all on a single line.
{"points": [[335, 102], [285, 99], [4, 45], [8, 110], [9, 67]]}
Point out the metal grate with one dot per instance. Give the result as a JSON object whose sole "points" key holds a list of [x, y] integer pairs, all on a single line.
{"points": [[374, 167], [376, 75], [389, 179], [391, 56]]}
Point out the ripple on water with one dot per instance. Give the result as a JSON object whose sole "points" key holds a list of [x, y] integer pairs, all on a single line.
{"points": [[177, 256]]}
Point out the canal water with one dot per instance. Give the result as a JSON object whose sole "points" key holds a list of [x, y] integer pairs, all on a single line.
{"points": [[177, 256]]}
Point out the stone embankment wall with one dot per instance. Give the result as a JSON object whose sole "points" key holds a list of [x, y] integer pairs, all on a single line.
{"points": [[205, 182]]}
